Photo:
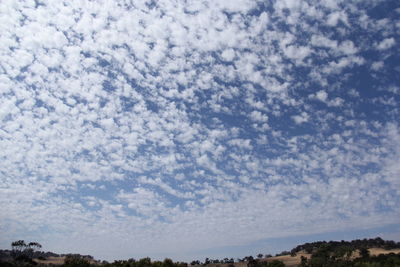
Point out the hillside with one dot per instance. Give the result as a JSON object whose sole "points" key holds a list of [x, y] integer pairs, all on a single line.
{"points": [[291, 261]]}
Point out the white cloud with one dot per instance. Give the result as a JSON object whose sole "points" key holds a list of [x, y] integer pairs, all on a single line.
{"points": [[322, 41], [322, 95], [228, 54], [297, 52], [258, 116], [347, 48], [377, 65], [336, 102], [386, 43], [299, 119], [334, 18]]}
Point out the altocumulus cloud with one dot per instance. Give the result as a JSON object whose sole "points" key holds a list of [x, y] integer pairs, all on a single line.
{"points": [[133, 128]]}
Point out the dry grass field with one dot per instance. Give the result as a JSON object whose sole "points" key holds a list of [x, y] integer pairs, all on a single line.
{"points": [[51, 260], [58, 261], [289, 260], [377, 251]]}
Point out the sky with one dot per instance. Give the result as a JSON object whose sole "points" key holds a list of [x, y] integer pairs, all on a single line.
{"points": [[187, 128]]}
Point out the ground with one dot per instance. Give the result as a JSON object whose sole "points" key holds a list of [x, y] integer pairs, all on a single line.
{"points": [[288, 260]]}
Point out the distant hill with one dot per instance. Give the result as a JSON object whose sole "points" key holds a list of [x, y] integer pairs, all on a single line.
{"points": [[323, 253], [355, 244], [295, 260]]}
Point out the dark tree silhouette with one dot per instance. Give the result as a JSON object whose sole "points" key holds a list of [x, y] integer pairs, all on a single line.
{"points": [[276, 263], [22, 252], [74, 261], [364, 253], [303, 262]]}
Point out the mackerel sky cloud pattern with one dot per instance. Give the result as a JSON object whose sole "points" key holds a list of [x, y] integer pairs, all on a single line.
{"points": [[135, 128]]}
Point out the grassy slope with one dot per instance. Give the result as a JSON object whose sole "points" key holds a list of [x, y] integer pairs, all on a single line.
{"points": [[290, 261]]}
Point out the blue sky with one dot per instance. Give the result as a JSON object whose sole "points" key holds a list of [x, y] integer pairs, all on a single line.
{"points": [[195, 128]]}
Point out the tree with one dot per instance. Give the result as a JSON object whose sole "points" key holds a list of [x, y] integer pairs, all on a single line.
{"points": [[322, 256], [343, 252], [276, 263], [303, 262], [248, 258], [17, 248], [145, 262], [181, 264], [74, 261], [251, 262], [168, 263], [364, 253], [32, 247], [260, 256], [21, 251]]}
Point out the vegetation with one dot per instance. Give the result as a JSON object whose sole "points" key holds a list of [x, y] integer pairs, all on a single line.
{"points": [[21, 254], [327, 257], [354, 244], [75, 261], [320, 254], [145, 262], [333, 253], [258, 263]]}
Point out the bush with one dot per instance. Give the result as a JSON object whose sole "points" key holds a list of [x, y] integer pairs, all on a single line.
{"points": [[71, 261], [276, 263]]}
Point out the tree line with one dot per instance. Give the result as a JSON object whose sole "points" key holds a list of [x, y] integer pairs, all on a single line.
{"points": [[322, 254]]}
